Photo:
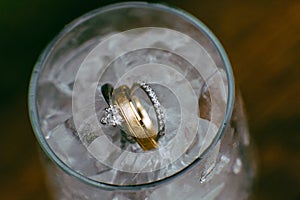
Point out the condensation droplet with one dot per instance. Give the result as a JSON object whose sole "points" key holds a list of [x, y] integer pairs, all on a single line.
{"points": [[48, 135], [236, 168], [225, 159]]}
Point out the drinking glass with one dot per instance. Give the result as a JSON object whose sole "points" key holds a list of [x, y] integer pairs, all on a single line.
{"points": [[206, 151]]}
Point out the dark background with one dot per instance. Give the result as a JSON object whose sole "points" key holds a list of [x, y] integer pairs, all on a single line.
{"points": [[262, 39]]}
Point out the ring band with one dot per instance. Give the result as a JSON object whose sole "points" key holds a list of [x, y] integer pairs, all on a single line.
{"points": [[126, 111], [156, 104], [137, 122]]}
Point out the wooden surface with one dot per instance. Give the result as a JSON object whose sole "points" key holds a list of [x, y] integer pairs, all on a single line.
{"points": [[262, 39]]}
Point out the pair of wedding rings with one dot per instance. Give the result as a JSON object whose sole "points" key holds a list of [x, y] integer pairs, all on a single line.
{"points": [[126, 112]]}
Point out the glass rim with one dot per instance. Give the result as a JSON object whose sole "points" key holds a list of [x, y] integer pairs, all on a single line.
{"points": [[32, 104]]}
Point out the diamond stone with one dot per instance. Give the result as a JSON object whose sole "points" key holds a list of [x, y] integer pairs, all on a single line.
{"points": [[156, 106], [142, 83], [148, 89], [155, 101], [161, 123], [152, 94], [159, 117], [112, 116]]}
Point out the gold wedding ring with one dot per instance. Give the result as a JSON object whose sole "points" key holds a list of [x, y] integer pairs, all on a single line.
{"points": [[137, 122]]}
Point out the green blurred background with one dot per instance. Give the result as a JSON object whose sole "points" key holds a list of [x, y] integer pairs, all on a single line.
{"points": [[262, 39]]}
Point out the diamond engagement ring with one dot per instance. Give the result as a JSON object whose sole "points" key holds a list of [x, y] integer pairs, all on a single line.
{"points": [[126, 112]]}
